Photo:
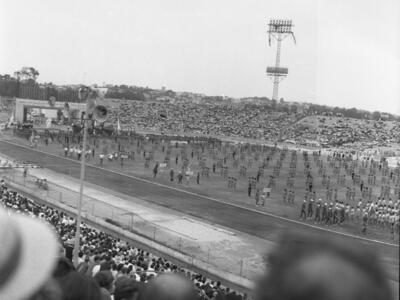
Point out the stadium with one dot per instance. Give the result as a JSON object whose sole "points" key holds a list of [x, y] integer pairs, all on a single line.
{"points": [[130, 192]]}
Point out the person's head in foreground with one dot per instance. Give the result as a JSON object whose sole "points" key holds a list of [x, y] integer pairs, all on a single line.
{"points": [[126, 289], [77, 286], [310, 267], [169, 286], [28, 253]]}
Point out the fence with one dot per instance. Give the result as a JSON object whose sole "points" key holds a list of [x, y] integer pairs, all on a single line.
{"points": [[132, 222]]}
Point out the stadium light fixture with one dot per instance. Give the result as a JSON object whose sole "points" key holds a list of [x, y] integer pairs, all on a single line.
{"points": [[278, 29]]}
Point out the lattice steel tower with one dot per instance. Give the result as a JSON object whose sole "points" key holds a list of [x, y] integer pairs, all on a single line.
{"points": [[279, 30]]}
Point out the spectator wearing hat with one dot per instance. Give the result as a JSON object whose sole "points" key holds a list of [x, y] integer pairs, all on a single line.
{"points": [[28, 254]]}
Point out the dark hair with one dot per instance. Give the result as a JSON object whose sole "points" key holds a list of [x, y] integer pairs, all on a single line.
{"points": [[169, 286], [104, 279], [76, 286], [104, 266], [63, 267], [125, 288], [292, 277]]}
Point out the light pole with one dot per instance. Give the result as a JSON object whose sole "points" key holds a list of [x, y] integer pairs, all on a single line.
{"points": [[92, 111], [84, 93], [279, 30]]}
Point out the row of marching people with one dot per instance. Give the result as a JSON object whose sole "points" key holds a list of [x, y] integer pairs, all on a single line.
{"points": [[381, 215]]}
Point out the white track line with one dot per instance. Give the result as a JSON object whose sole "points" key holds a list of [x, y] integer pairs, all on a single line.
{"points": [[214, 199]]}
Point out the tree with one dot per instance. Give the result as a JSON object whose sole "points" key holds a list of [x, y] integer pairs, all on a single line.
{"points": [[284, 108], [170, 93], [376, 115], [8, 86], [273, 103], [352, 113], [27, 74]]}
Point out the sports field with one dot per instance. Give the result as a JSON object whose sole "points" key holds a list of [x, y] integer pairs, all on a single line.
{"points": [[216, 184], [230, 215]]}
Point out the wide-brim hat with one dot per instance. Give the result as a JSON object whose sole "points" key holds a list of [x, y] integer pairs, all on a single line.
{"points": [[28, 254]]}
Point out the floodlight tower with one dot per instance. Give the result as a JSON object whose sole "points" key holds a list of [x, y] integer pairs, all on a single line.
{"points": [[279, 30]]}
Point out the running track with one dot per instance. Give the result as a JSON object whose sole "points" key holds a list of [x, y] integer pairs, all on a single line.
{"points": [[231, 216]]}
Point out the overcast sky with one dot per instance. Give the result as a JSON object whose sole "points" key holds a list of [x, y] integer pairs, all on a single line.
{"points": [[347, 52]]}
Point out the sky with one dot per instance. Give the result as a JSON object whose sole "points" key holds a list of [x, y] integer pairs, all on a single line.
{"points": [[347, 52]]}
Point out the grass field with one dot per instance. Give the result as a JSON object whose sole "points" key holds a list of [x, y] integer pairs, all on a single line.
{"points": [[216, 185]]}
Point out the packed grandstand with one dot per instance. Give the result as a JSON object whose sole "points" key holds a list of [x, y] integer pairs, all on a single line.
{"points": [[136, 108]]}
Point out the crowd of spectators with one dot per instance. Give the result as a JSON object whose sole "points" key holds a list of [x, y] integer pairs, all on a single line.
{"points": [[336, 131], [246, 120], [237, 120], [108, 260]]}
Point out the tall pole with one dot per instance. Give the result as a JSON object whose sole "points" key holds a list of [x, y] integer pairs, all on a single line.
{"points": [[278, 30], [277, 64], [79, 212]]}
